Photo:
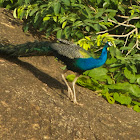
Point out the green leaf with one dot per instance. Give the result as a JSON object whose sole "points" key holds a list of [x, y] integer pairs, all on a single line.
{"points": [[33, 11], [96, 27], [122, 98], [21, 13], [111, 11], [86, 72], [126, 87], [67, 32], [138, 24], [88, 83], [118, 52], [26, 27], [99, 13], [8, 6], [112, 51], [113, 69], [98, 72], [46, 18], [87, 28], [136, 108], [27, 1], [115, 65], [133, 79], [70, 78], [90, 25], [66, 2], [73, 1], [64, 67], [113, 19], [127, 73], [62, 19], [109, 98], [138, 80], [89, 12], [105, 4], [136, 56], [59, 33], [136, 103], [99, 1], [111, 61], [109, 80], [15, 13], [36, 17], [55, 18], [125, 48], [131, 44], [64, 24], [78, 23], [80, 1], [20, 2], [57, 8], [103, 26], [79, 34], [90, 21]]}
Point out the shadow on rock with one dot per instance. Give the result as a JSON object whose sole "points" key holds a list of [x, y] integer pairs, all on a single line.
{"points": [[43, 77]]}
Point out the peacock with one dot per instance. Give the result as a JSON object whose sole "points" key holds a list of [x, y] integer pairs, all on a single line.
{"points": [[73, 56]]}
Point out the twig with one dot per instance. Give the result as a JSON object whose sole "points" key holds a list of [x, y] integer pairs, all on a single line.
{"points": [[130, 50], [127, 17], [99, 49], [134, 30], [107, 30], [125, 42], [125, 35], [119, 24], [127, 25], [92, 8], [137, 41]]}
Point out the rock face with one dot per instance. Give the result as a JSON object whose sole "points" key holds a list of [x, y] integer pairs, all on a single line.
{"points": [[34, 103]]}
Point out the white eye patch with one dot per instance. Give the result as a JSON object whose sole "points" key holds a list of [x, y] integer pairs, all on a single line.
{"points": [[110, 44]]}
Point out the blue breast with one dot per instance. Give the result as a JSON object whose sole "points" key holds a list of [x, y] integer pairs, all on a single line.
{"points": [[90, 63]]}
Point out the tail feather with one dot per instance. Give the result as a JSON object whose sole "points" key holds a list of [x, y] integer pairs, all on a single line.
{"points": [[27, 49]]}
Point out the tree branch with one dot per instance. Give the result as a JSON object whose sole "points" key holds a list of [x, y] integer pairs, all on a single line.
{"points": [[127, 25], [119, 24], [127, 17], [125, 35], [135, 29]]}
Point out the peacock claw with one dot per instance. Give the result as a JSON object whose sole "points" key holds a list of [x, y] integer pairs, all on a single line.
{"points": [[71, 92], [75, 102], [70, 95]]}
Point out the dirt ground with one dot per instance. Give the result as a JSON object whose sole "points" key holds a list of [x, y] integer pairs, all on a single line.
{"points": [[34, 103]]}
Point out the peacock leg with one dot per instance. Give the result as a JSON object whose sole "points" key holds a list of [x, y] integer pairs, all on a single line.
{"points": [[70, 93], [74, 93]]}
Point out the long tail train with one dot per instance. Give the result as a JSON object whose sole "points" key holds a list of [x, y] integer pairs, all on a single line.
{"points": [[27, 49]]}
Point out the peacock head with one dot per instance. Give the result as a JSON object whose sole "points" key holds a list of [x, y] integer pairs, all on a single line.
{"points": [[109, 44]]}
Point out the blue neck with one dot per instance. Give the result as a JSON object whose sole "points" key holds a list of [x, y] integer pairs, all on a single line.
{"points": [[103, 55], [90, 63]]}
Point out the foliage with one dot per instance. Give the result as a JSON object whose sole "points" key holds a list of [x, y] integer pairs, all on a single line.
{"points": [[85, 43], [91, 23], [10, 4]]}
